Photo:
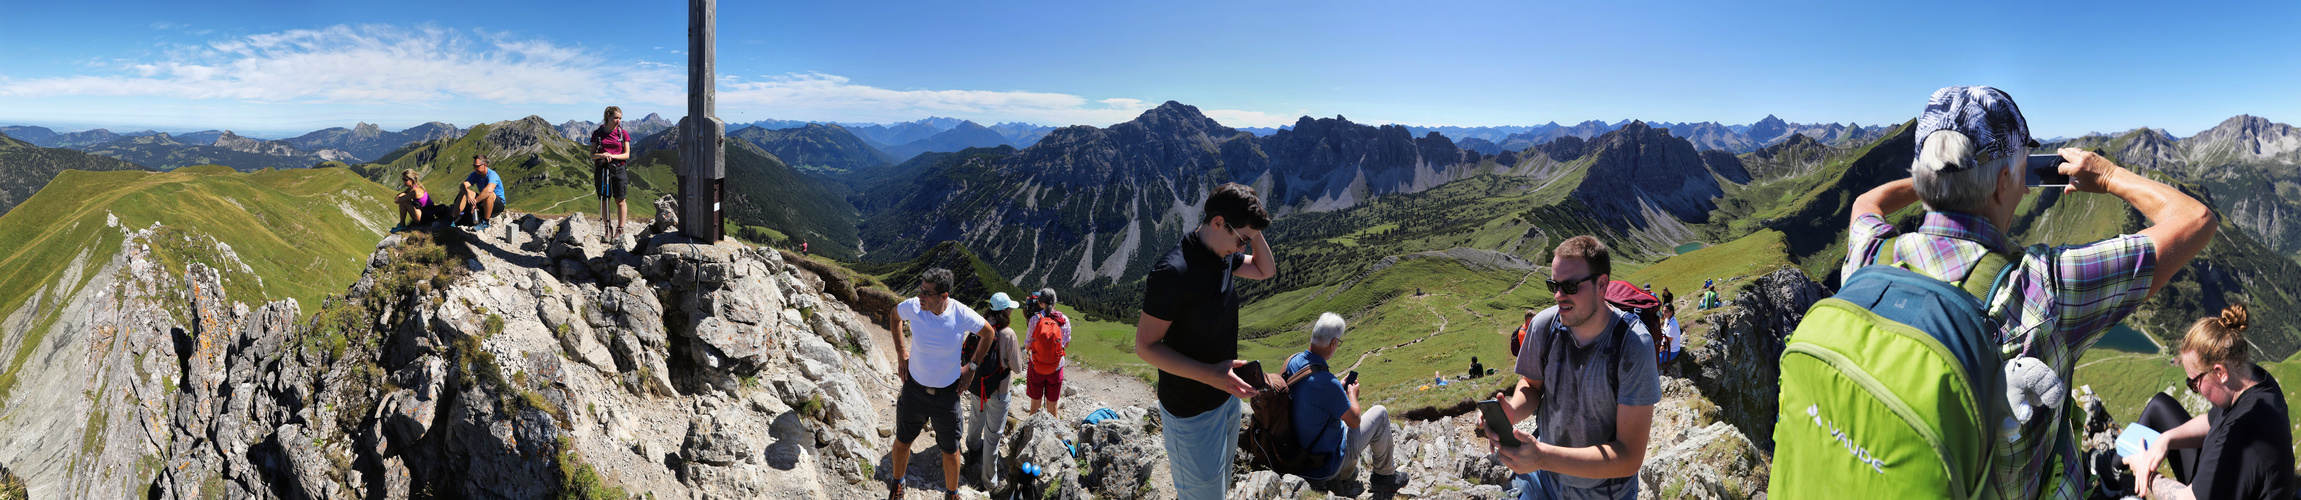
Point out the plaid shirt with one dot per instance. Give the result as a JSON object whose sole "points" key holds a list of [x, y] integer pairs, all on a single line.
{"points": [[2054, 305]]}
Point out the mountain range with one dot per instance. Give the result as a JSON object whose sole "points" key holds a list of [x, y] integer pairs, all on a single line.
{"points": [[1086, 208], [43, 137], [368, 142], [965, 135], [580, 130], [814, 147], [25, 168], [1365, 214], [2251, 165], [163, 151]]}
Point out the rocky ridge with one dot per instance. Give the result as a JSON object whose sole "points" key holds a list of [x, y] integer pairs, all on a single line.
{"points": [[514, 363]]}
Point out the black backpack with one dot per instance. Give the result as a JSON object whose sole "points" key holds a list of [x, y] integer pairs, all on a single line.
{"points": [[1269, 438], [992, 373]]}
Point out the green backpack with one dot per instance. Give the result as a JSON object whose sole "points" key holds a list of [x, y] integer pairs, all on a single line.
{"points": [[1892, 389]]}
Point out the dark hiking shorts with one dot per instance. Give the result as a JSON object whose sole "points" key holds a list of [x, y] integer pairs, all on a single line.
{"points": [[916, 408], [611, 180]]}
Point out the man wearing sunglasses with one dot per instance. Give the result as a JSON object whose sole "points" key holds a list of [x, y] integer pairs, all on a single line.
{"points": [[1588, 378], [932, 371], [1189, 330]]}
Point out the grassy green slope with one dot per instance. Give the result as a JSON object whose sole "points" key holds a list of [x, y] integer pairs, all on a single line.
{"points": [[1811, 210], [1460, 314], [302, 233], [1747, 257], [1506, 214]]}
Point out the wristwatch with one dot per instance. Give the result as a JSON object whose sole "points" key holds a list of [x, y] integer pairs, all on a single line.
{"points": [[970, 366]]}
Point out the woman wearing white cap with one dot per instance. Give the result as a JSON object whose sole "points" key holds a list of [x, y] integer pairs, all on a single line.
{"points": [[989, 408]]}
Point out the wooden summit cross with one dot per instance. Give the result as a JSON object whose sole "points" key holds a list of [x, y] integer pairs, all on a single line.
{"points": [[702, 162]]}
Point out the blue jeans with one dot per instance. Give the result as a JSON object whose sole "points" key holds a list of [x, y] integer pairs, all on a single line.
{"points": [[1199, 450], [1543, 485]]}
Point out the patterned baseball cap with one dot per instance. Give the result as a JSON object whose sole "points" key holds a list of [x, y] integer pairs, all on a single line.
{"points": [[1985, 115]]}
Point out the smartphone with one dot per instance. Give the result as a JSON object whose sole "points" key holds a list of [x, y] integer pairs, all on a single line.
{"points": [[1251, 372], [1498, 423], [2044, 171], [1350, 380]]}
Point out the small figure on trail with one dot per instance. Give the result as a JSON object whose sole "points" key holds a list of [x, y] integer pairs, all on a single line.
{"points": [[610, 148]]}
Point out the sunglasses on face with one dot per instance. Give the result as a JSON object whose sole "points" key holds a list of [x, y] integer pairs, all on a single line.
{"points": [[1242, 243], [2193, 381], [1569, 287]]}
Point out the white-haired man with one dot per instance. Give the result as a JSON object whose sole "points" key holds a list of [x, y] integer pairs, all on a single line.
{"points": [[1972, 144], [1329, 421]]}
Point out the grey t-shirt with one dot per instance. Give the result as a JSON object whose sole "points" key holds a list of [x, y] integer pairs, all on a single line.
{"points": [[1578, 395]]}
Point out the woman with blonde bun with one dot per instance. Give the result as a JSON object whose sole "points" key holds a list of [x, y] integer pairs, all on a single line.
{"points": [[2243, 447]]}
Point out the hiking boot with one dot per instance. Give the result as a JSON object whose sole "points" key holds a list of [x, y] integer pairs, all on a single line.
{"points": [[398, 228], [1387, 482]]}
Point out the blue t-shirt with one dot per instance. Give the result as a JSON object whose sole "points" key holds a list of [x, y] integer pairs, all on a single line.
{"points": [[1319, 405], [475, 179]]}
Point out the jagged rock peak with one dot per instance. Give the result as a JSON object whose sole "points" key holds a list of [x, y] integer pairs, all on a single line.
{"points": [[1175, 114]]}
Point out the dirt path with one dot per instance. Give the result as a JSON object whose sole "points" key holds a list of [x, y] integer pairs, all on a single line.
{"points": [[1514, 286], [1442, 323], [555, 206]]}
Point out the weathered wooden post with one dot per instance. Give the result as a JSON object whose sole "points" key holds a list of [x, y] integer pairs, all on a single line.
{"points": [[702, 163]]}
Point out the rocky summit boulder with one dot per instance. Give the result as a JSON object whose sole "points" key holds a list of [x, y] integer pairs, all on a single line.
{"points": [[524, 363], [1045, 443], [1120, 454]]}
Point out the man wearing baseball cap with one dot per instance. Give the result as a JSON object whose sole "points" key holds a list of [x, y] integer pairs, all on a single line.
{"points": [[1972, 144]]}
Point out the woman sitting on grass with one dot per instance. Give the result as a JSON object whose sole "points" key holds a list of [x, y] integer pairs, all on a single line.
{"points": [[411, 201]]}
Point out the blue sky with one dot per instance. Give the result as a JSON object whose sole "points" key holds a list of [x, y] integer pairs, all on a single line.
{"points": [[281, 68]]}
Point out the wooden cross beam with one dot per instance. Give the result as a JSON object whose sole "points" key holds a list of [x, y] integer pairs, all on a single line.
{"points": [[702, 161]]}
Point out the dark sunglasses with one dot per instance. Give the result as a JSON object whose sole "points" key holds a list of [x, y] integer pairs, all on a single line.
{"points": [[2193, 381], [1570, 287], [1242, 243]]}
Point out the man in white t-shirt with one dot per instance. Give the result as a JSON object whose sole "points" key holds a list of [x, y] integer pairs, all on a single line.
{"points": [[932, 372]]}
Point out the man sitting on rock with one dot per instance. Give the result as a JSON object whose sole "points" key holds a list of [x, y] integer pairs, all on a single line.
{"points": [[932, 379], [1329, 421], [482, 195]]}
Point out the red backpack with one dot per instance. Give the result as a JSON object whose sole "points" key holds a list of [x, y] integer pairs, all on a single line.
{"points": [[1047, 343], [1629, 297]]}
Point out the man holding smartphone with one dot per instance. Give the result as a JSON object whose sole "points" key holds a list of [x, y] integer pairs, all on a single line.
{"points": [[1329, 421], [1189, 331], [1588, 378]]}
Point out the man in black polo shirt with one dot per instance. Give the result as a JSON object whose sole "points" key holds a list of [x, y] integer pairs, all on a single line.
{"points": [[1189, 330]]}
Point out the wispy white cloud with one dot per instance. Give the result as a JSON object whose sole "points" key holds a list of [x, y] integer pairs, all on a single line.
{"points": [[351, 64], [376, 65]]}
